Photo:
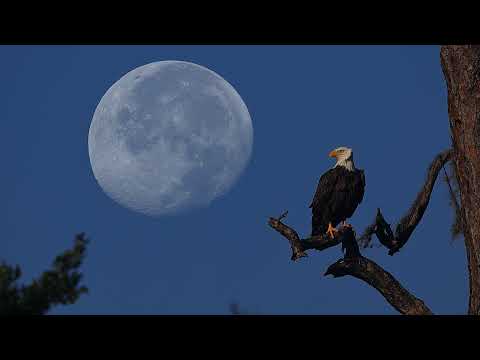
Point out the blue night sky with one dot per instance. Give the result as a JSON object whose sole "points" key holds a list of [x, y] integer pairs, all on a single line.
{"points": [[386, 102]]}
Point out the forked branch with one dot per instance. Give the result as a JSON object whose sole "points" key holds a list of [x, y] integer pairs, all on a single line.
{"points": [[354, 264], [298, 246], [407, 224]]}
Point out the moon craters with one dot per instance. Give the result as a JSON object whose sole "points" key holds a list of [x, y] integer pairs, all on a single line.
{"points": [[169, 136]]}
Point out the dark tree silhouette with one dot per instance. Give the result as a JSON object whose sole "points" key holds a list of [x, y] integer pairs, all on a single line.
{"points": [[234, 309], [59, 285], [461, 68]]}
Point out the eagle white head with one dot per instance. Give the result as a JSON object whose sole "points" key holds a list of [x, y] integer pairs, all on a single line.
{"points": [[344, 156]]}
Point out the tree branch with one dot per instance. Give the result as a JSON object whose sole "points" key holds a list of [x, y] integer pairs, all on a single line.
{"points": [[374, 275], [354, 264], [407, 224], [320, 242]]}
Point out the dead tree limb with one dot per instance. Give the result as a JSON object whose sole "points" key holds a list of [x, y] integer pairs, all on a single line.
{"points": [[407, 224], [384, 282], [299, 246], [354, 264]]}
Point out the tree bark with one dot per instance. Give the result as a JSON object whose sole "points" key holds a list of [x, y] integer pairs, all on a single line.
{"points": [[461, 68], [353, 264], [408, 223], [384, 282], [320, 242]]}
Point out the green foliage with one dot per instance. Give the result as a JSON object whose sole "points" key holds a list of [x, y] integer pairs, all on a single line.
{"points": [[59, 285]]}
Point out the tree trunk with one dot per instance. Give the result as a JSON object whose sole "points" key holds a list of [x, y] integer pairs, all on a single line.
{"points": [[461, 68]]}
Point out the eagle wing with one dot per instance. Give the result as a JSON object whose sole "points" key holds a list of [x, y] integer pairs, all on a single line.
{"points": [[361, 187], [325, 187]]}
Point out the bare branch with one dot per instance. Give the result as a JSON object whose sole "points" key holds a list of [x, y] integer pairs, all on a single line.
{"points": [[384, 282], [299, 246], [366, 239], [354, 264], [284, 215], [292, 236], [407, 224]]}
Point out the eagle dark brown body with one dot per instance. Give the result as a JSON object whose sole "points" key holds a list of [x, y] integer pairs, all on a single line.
{"points": [[338, 194]]}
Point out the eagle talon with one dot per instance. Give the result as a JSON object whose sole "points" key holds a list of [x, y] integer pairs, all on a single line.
{"points": [[331, 231]]}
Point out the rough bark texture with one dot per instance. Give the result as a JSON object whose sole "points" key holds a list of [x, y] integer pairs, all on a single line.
{"points": [[354, 264], [461, 68], [396, 295]]}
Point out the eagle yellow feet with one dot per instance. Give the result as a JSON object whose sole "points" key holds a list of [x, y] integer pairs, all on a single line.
{"points": [[331, 230]]}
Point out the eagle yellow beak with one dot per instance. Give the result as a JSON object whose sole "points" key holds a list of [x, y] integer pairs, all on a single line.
{"points": [[332, 154]]}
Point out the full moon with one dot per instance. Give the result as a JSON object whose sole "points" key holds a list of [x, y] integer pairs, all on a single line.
{"points": [[169, 136]]}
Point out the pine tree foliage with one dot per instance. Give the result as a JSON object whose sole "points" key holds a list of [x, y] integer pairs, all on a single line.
{"points": [[59, 285]]}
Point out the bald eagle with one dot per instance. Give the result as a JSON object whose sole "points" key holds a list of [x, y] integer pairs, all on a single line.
{"points": [[340, 190]]}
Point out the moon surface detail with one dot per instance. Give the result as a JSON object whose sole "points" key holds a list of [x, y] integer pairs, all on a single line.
{"points": [[169, 136]]}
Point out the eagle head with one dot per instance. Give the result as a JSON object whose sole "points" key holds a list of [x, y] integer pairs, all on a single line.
{"points": [[344, 156]]}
